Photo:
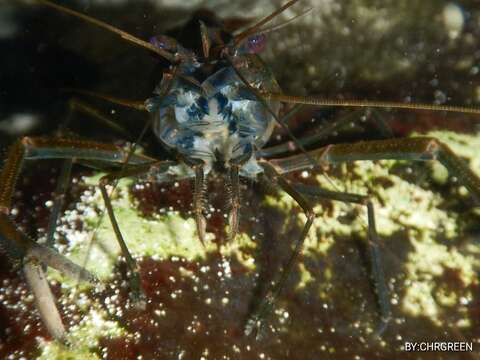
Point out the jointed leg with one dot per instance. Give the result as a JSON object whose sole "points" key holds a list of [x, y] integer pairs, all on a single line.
{"points": [[134, 279], [325, 132], [377, 273], [199, 202], [234, 199], [59, 198], [76, 105], [35, 277], [22, 249], [15, 243], [272, 176], [126, 170], [414, 149]]}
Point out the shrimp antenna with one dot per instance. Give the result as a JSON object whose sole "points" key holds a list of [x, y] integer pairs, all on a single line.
{"points": [[312, 100], [132, 104], [255, 28], [287, 22], [124, 35]]}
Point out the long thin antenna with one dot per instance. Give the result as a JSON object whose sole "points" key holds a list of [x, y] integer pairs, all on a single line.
{"points": [[254, 29], [124, 35], [263, 100], [132, 104], [287, 22], [312, 100]]}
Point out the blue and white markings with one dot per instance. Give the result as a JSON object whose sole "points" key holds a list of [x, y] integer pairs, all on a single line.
{"points": [[219, 122]]}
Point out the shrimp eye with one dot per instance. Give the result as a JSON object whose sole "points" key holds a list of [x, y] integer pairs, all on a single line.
{"points": [[256, 43], [163, 42]]}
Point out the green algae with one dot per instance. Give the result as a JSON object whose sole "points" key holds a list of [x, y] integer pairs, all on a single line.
{"points": [[167, 236], [399, 206], [83, 338]]}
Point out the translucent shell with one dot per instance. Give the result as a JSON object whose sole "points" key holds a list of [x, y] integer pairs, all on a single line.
{"points": [[220, 120]]}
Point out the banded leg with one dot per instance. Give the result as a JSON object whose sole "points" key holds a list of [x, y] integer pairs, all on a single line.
{"points": [[377, 270], [76, 105], [255, 321], [21, 249], [42, 148], [413, 149], [199, 202], [126, 171], [234, 197]]}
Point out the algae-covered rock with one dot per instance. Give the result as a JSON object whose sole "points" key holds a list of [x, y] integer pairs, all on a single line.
{"points": [[196, 294]]}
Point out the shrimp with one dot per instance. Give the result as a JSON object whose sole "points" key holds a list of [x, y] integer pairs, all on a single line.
{"points": [[214, 111]]}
